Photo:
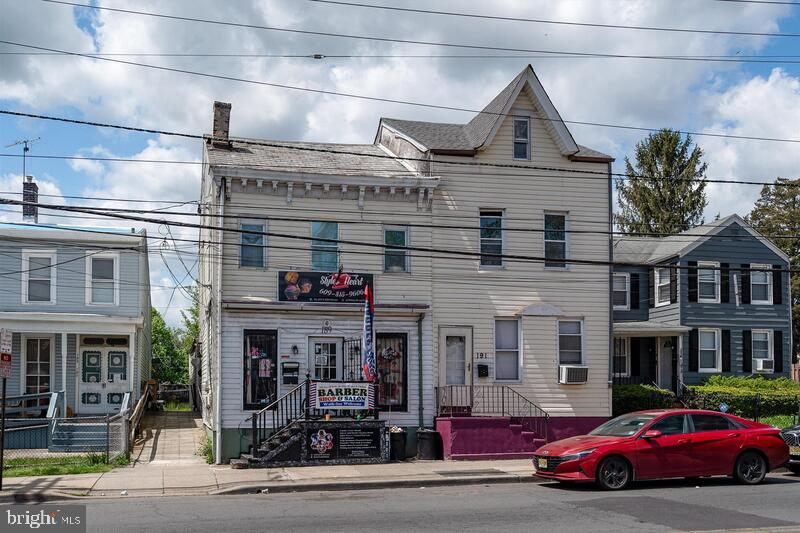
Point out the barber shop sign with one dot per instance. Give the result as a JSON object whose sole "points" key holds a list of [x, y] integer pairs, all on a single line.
{"points": [[338, 395]]}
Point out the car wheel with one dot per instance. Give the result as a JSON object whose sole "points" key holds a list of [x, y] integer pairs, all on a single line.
{"points": [[614, 473], [751, 468]]}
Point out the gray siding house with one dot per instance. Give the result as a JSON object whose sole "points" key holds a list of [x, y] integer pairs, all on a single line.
{"points": [[715, 300], [77, 301]]}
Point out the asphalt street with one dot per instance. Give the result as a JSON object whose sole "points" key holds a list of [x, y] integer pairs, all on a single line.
{"points": [[708, 505]]}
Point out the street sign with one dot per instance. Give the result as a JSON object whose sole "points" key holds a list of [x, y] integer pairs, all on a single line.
{"points": [[723, 407], [5, 365], [5, 341]]}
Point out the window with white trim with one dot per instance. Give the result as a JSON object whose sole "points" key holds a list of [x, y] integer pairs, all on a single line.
{"points": [[394, 259], [761, 284], [570, 342], [252, 252], [620, 292], [710, 353], [491, 237], [102, 284], [522, 138], [555, 240], [39, 277], [506, 349], [662, 286], [708, 282], [325, 254], [761, 344], [621, 363], [38, 355]]}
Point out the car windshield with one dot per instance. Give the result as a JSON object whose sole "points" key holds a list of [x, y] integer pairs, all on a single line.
{"points": [[622, 426]]}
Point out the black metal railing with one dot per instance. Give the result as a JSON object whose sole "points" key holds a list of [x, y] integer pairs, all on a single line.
{"points": [[492, 400], [632, 380]]}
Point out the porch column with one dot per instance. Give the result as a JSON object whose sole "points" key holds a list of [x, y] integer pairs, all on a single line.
{"points": [[64, 373], [131, 371]]}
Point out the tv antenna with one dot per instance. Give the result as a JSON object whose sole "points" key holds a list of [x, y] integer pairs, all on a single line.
{"points": [[25, 149]]}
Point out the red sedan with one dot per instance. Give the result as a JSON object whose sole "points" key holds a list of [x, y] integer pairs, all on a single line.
{"points": [[665, 444]]}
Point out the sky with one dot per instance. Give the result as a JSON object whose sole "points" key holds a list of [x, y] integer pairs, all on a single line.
{"points": [[751, 99]]}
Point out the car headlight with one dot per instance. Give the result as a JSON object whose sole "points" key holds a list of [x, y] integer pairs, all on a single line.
{"points": [[580, 455]]}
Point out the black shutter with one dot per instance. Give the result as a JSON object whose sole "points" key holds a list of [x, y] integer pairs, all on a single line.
{"points": [[635, 296], [635, 358], [745, 284], [777, 342], [747, 351], [673, 285], [652, 283], [692, 277], [694, 353], [724, 283], [726, 350], [777, 285]]}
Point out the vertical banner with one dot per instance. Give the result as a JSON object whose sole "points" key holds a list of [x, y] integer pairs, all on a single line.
{"points": [[368, 340]]}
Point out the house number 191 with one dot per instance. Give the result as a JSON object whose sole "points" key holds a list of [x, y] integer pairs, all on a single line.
{"points": [[481, 355]]}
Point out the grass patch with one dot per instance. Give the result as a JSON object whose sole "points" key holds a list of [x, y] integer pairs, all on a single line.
{"points": [[207, 450], [91, 463], [175, 406]]}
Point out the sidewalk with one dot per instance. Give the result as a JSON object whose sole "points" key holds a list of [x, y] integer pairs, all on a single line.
{"points": [[201, 479]]}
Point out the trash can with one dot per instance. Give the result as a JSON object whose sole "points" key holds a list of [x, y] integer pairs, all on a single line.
{"points": [[397, 444], [429, 444]]}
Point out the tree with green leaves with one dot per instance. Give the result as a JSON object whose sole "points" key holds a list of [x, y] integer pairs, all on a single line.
{"points": [[169, 360], [777, 212], [190, 317], [665, 190]]}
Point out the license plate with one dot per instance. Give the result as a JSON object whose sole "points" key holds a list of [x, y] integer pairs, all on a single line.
{"points": [[542, 463], [794, 450]]}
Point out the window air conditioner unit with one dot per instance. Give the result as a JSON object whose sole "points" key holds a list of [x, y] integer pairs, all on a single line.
{"points": [[765, 365], [573, 374]]}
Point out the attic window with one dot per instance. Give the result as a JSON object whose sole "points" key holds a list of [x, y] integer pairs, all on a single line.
{"points": [[522, 138]]}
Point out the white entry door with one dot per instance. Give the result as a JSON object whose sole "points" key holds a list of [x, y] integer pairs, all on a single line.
{"points": [[455, 356], [325, 354], [104, 379]]}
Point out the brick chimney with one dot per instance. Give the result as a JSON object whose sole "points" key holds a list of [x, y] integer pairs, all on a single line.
{"points": [[222, 122], [30, 193]]}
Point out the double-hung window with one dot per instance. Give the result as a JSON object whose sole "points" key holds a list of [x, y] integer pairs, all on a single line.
{"points": [[39, 277], [506, 349], [522, 138], [760, 284], [555, 240], [325, 253], [253, 251], [622, 357], [491, 237], [620, 292], [708, 282], [395, 259], [710, 353], [662, 286], [762, 345], [570, 342], [102, 279]]}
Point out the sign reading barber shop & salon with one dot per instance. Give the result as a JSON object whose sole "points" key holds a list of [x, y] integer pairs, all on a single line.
{"points": [[339, 395]]}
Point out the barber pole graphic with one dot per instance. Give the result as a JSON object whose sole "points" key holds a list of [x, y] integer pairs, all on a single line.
{"points": [[368, 338]]}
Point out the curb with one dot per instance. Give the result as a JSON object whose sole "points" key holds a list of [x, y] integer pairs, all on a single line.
{"points": [[291, 486], [39, 497]]}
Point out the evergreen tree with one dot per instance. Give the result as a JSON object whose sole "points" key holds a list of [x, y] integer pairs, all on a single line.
{"points": [[777, 212], [664, 192]]}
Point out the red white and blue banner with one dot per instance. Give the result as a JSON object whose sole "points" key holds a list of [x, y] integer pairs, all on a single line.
{"points": [[368, 336], [341, 395]]}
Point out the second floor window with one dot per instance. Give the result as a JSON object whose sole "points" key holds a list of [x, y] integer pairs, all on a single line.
{"points": [[708, 282], [102, 278], [555, 240], [395, 259], [38, 277], [325, 254], [570, 342], [252, 247], [491, 238], [760, 284], [621, 291], [522, 138], [662, 286]]}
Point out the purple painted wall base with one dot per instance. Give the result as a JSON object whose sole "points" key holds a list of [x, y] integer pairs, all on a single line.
{"points": [[476, 437]]}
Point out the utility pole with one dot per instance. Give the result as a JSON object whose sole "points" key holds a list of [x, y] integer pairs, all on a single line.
{"points": [[25, 149]]}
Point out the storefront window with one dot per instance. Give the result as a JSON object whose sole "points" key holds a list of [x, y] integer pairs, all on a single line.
{"points": [[260, 368], [391, 350]]}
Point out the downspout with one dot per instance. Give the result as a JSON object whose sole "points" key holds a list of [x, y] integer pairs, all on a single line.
{"points": [[420, 387], [610, 280], [218, 333]]}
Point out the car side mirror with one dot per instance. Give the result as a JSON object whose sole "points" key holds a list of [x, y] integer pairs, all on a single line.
{"points": [[652, 434]]}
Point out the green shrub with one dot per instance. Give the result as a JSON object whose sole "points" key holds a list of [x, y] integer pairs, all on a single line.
{"points": [[756, 383], [628, 398], [743, 401], [207, 450]]}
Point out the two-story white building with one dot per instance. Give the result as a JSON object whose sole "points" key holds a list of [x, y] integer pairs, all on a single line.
{"points": [[494, 301]]}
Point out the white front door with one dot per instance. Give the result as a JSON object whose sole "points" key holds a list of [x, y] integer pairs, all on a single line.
{"points": [[325, 354], [104, 378], [455, 356]]}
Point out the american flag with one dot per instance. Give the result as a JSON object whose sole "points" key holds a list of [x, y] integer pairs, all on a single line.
{"points": [[368, 340]]}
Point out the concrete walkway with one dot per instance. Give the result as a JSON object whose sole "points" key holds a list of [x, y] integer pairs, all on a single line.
{"points": [[169, 439]]}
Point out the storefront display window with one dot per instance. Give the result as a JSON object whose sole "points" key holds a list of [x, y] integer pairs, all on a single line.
{"points": [[260, 368], [391, 350]]}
